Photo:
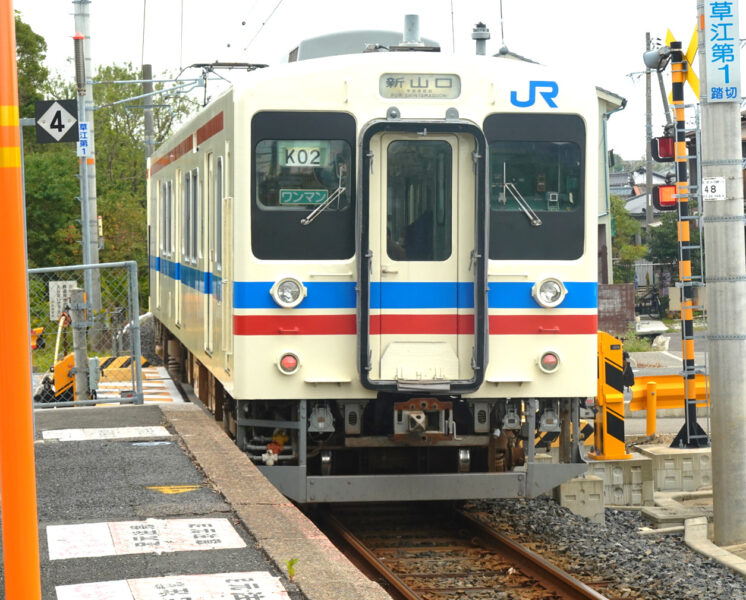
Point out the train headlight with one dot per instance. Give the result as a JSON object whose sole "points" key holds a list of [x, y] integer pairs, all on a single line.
{"points": [[288, 292], [549, 292]]}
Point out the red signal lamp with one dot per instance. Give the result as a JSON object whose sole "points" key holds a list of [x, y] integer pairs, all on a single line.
{"points": [[664, 197], [662, 149]]}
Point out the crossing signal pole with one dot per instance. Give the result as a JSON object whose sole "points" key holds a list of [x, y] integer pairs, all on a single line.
{"points": [[17, 469], [691, 435], [677, 197]]}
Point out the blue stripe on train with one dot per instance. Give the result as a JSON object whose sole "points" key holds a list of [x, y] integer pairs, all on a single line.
{"points": [[203, 282], [412, 295], [383, 295]]}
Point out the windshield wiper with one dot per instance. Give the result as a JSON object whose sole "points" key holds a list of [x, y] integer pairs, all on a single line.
{"points": [[324, 205], [521, 201]]}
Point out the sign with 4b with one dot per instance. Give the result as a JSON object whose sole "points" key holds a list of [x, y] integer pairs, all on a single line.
{"points": [[56, 121]]}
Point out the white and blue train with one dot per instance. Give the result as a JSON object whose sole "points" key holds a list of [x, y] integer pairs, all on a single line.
{"points": [[381, 268]]}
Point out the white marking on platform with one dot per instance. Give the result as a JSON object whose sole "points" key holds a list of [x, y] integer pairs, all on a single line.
{"points": [[79, 541], [141, 537], [105, 433], [157, 386], [257, 585]]}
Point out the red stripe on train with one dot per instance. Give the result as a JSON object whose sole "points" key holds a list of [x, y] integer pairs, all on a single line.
{"points": [[413, 324], [209, 129], [422, 324], [543, 324], [294, 324]]}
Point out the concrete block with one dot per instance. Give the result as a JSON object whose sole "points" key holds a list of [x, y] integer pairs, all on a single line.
{"points": [[667, 516], [543, 457], [626, 482], [679, 469], [584, 496]]}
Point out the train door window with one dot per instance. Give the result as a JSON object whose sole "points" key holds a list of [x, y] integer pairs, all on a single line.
{"points": [[536, 186], [303, 195], [218, 222], [186, 238], [419, 200], [169, 218], [205, 208], [194, 215], [163, 207]]}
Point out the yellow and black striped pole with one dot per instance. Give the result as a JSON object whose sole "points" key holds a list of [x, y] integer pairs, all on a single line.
{"points": [[691, 435], [17, 473], [609, 442]]}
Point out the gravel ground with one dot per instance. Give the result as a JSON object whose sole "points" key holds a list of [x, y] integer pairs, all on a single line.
{"points": [[634, 566]]}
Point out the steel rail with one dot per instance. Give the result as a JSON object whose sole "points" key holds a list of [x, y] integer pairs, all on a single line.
{"points": [[349, 537], [539, 567], [531, 564]]}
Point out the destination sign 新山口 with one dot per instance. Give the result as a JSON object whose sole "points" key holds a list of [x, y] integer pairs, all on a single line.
{"points": [[419, 85]]}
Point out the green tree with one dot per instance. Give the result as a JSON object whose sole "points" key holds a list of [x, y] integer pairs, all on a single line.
{"points": [[121, 165], [52, 210], [120, 175], [624, 250], [31, 50], [663, 245]]}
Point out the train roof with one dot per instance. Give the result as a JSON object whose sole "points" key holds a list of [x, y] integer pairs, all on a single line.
{"points": [[349, 42]]}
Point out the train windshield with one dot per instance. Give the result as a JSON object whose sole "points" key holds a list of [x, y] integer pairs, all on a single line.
{"points": [[301, 175], [534, 176], [303, 185], [536, 186]]}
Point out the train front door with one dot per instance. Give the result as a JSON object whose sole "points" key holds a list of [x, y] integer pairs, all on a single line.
{"points": [[423, 239]]}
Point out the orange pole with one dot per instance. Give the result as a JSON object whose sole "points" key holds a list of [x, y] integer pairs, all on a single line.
{"points": [[17, 471], [651, 406]]}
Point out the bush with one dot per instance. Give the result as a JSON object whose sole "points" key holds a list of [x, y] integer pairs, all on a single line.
{"points": [[635, 343]]}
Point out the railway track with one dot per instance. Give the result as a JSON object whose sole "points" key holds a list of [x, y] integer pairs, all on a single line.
{"points": [[428, 553]]}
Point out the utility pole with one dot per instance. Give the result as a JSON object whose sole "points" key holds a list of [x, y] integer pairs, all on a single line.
{"points": [[147, 90], [88, 162], [80, 82], [719, 51], [648, 137]]}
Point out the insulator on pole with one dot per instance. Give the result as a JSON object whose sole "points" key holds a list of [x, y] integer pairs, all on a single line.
{"points": [[80, 81]]}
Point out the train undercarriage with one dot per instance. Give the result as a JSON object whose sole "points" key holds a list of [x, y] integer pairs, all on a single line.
{"points": [[396, 446]]}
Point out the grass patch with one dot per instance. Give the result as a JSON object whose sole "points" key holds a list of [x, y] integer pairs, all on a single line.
{"points": [[635, 343]]}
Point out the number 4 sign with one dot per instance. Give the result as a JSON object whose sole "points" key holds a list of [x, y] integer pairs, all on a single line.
{"points": [[56, 121]]}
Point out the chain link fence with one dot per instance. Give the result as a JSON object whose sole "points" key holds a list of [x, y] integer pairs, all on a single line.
{"points": [[85, 351]]}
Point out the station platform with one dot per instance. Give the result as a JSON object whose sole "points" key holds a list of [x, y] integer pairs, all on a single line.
{"points": [[155, 501]]}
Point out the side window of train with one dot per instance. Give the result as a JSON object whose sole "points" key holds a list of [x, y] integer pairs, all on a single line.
{"points": [[218, 222], [166, 191], [190, 215], [303, 168], [536, 186]]}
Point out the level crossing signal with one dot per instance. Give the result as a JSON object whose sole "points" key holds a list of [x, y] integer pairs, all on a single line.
{"points": [[662, 150]]}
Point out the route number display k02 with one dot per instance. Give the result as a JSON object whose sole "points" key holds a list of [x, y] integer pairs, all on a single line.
{"points": [[56, 121]]}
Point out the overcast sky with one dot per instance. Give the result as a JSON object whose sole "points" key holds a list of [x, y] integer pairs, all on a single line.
{"points": [[606, 38]]}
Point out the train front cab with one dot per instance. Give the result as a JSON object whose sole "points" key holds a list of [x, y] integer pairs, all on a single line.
{"points": [[422, 247]]}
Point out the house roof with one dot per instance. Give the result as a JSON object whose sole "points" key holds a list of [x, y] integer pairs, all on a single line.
{"points": [[636, 206]]}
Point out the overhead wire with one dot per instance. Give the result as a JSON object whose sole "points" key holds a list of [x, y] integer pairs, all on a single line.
{"points": [[251, 41], [453, 32]]}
